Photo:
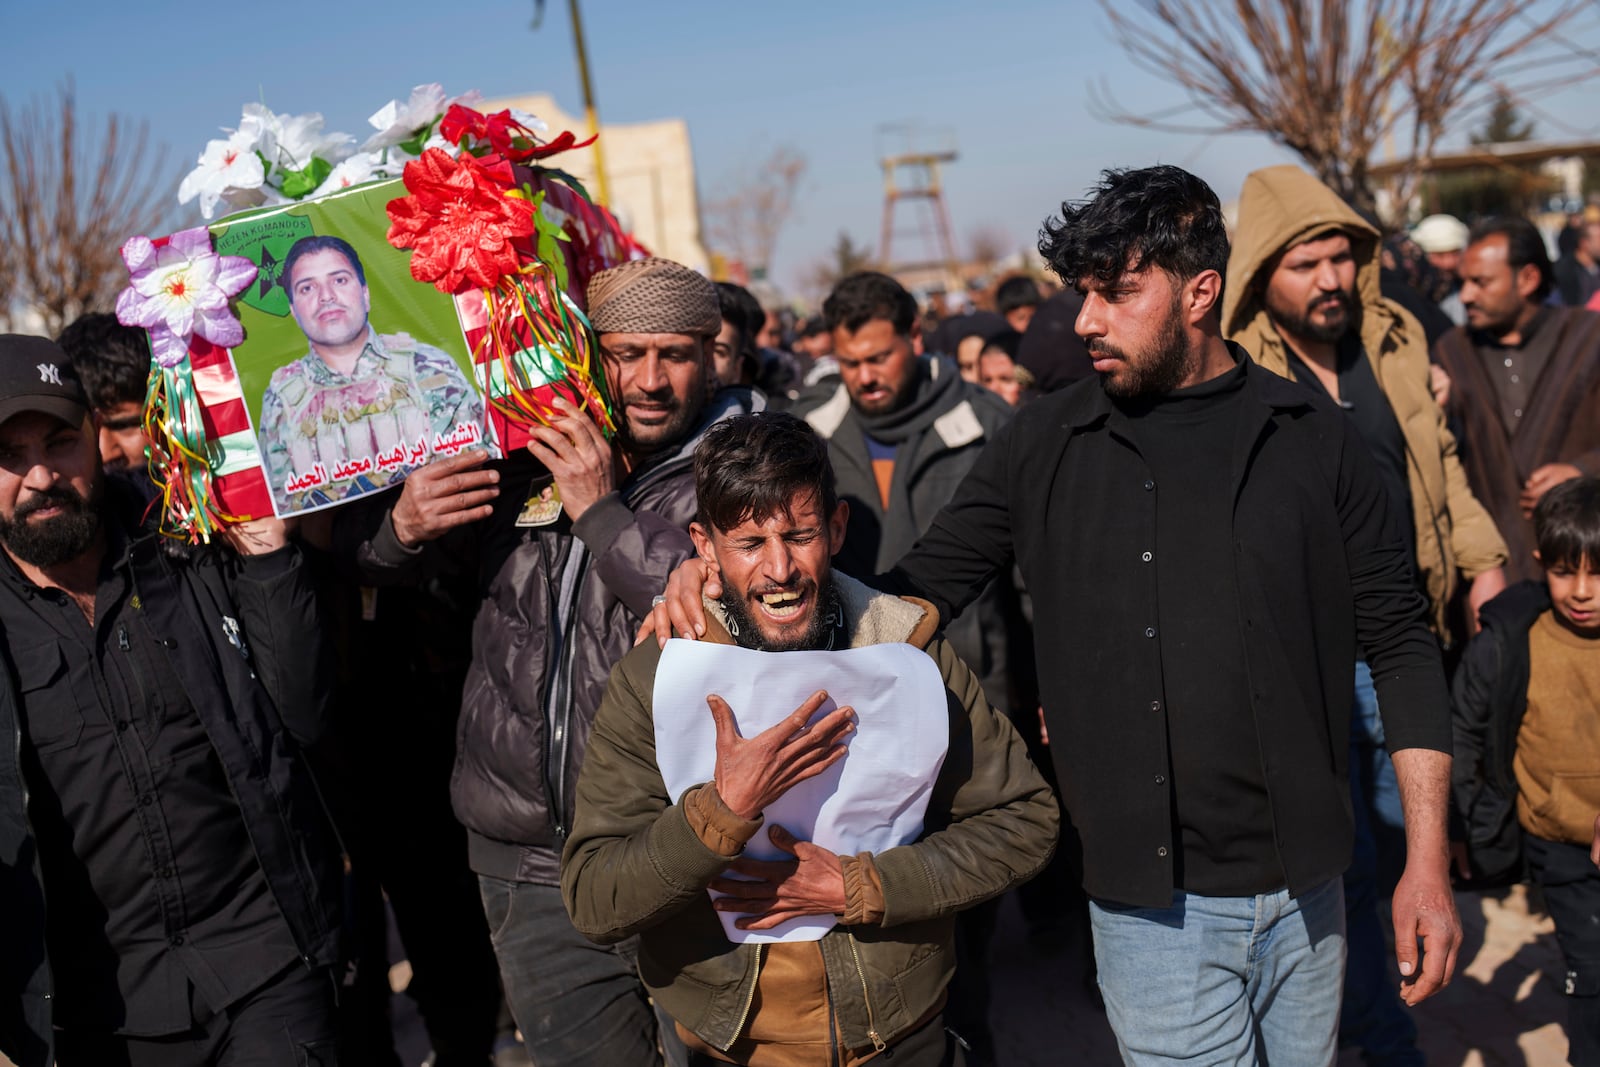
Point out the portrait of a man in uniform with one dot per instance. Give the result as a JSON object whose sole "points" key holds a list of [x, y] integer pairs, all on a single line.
{"points": [[360, 408]]}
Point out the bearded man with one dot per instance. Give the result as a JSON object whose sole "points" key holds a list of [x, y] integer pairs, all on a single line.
{"points": [[169, 883], [571, 539], [875, 984], [1207, 546], [1303, 300]]}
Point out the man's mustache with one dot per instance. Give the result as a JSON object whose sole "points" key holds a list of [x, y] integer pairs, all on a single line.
{"points": [[66, 499]]}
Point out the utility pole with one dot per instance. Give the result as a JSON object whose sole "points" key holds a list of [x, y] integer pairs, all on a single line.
{"points": [[588, 106]]}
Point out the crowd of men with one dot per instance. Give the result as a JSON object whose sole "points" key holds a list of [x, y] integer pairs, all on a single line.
{"points": [[1191, 551]]}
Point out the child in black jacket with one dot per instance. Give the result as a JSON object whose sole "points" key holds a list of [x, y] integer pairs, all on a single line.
{"points": [[1527, 759]]}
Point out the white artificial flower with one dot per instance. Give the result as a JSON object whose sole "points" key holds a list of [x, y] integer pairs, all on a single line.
{"points": [[361, 167], [530, 120], [227, 168], [289, 142], [436, 140], [396, 122]]}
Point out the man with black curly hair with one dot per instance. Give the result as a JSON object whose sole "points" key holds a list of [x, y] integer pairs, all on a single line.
{"points": [[113, 362], [1206, 545]]}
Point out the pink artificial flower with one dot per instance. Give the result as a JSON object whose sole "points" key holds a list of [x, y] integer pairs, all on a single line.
{"points": [[181, 289]]}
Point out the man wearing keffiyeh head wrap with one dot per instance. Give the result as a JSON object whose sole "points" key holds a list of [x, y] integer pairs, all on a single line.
{"points": [[576, 535], [657, 321]]}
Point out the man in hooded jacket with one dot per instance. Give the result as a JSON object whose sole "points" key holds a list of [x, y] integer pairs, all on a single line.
{"points": [[1303, 299], [1284, 212]]}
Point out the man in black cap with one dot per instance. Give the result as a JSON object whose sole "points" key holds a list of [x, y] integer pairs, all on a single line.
{"points": [[166, 873]]}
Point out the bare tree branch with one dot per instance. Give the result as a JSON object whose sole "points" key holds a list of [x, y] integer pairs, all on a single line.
{"points": [[845, 258], [746, 218], [69, 198], [988, 244], [1333, 79]]}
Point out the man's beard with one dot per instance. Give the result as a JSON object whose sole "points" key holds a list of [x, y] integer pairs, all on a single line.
{"points": [[744, 628], [1300, 324], [53, 541], [660, 436], [1158, 370]]}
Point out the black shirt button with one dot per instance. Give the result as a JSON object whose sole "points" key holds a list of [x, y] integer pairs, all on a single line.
{"points": [[1155, 705], [1147, 557], [122, 724], [1162, 851], [165, 872], [175, 940], [1161, 779], [1149, 631], [1149, 485], [147, 799]]}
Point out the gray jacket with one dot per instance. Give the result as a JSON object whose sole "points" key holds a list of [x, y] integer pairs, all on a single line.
{"points": [[932, 457], [561, 604]]}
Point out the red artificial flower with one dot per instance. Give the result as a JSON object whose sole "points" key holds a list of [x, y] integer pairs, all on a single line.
{"points": [[501, 134], [462, 121], [560, 144], [459, 222]]}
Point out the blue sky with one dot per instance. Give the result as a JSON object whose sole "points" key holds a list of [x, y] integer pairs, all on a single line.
{"points": [[1009, 80]]}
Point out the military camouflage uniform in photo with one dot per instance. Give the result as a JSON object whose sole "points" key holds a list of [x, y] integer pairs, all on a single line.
{"points": [[401, 392]]}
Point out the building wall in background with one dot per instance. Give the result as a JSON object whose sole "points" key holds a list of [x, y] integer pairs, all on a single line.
{"points": [[649, 171]]}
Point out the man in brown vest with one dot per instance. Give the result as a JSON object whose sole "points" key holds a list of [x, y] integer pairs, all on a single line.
{"points": [[1526, 382]]}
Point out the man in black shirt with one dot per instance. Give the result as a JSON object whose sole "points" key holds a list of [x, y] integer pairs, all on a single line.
{"points": [[169, 877], [1303, 298], [1199, 706]]}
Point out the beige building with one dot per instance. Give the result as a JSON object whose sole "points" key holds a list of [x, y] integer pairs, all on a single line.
{"points": [[649, 175]]}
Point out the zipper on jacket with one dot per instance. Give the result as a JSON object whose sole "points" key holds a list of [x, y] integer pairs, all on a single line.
{"points": [[133, 665], [749, 999], [878, 1043], [38, 870], [558, 695]]}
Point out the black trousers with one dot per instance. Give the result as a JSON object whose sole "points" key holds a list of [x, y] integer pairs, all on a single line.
{"points": [[1572, 893], [288, 1022]]}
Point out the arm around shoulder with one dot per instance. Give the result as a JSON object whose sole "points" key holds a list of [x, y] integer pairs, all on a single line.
{"points": [[634, 551], [969, 540]]}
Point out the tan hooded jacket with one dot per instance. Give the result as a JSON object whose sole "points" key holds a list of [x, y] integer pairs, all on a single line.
{"points": [[1283, 206]]}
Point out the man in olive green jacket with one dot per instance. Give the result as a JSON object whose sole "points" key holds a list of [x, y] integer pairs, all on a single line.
{"points": [[638, 863]]}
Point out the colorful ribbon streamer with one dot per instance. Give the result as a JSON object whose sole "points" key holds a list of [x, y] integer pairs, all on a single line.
{"points": [[181, 456]]}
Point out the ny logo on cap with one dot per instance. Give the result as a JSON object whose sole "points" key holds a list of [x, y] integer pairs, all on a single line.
{"points": [[49, 374]]}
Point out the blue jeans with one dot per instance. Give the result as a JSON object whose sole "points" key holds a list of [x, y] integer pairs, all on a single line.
{"points": [[1373, 1019], [1224, 980], [577, 1004], [1373, 786]]}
